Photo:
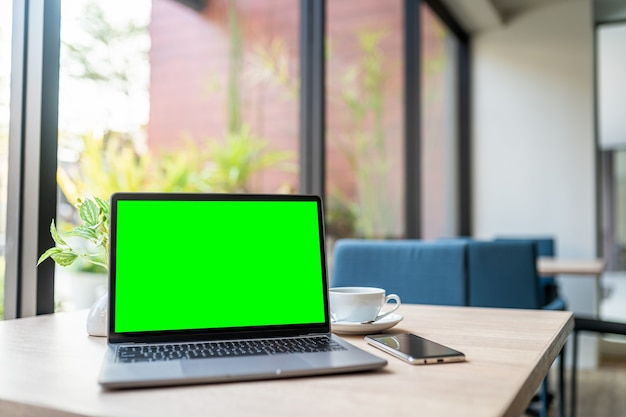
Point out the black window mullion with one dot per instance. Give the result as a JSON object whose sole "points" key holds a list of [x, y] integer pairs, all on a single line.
{"points": [[446, 17], [464, 140], [48, 144], [312, 95], [412, 118]]}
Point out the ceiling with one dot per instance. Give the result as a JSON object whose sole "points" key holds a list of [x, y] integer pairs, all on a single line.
{"points": [[510, 8], [480, 15]]}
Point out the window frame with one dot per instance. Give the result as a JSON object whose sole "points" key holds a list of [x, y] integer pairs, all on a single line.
{"points": [[33, 142], [412, 35], [33, 137]]}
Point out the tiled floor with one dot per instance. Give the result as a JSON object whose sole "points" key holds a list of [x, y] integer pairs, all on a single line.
{"points": [[601, 391], [613, 308]]}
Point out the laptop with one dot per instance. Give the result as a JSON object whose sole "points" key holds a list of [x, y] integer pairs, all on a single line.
{"points": [[219, 287]]}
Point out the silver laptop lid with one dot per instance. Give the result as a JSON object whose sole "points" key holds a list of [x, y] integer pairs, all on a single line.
{"points": [[216, 266]]}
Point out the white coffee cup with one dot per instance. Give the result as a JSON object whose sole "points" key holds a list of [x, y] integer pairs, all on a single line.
{"points": [[360, 304]]}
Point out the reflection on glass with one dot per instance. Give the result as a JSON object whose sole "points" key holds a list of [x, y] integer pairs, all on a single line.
{"points": [[365, 188], [439, 149], [5, 80], [158, 96]]}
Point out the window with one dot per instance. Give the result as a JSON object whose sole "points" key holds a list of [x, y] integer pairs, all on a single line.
{"points": [[364, 113], [611, 138], [439, 137], [619, 181], [204, 95], [5, 78], [614, 208], [181, 98]]}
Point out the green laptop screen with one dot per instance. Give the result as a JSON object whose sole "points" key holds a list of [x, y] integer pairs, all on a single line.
{"points": [[216, 264]]}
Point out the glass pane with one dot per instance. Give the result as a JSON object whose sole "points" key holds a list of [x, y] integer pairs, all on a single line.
{"points": [[611, 89], [439, 128], [619, 179], [364, 132], [5, 81], [188, 96]]}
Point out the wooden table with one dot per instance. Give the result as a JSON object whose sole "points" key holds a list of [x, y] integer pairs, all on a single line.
{"points": [[49, 366], [556, 266], [592, 268]]}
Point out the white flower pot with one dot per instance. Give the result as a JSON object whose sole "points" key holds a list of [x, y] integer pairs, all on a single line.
{"points": [[97, 318], [78, 290]]}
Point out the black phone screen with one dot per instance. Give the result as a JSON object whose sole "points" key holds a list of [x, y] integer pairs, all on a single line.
{"points": [[415, 346]]}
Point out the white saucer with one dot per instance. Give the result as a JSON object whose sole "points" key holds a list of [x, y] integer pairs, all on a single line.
{"points": [[350, 327]]}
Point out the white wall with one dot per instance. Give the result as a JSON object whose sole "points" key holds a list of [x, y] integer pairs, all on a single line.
{"points": [[533, 160]]}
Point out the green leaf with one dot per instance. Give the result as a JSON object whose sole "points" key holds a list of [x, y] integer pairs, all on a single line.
{"points": [[99, 263], [64, 258], [104, 206], [84, 232], [89, 212], [55, 234], [102, 240], [48, 254]]}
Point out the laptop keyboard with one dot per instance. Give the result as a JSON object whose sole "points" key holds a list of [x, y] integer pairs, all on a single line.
{"points": [[204, 350]]}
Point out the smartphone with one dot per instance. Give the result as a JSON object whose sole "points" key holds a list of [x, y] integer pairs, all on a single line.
{"points": [[414, 349]]}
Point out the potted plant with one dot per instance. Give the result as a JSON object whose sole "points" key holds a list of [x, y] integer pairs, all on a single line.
{"points": [[85, 244]]}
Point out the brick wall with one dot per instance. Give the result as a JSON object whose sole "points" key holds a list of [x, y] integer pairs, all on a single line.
{"points": [[190, 62]]}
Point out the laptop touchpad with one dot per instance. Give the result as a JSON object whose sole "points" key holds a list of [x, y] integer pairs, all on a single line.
{"points": [[243, 365]]}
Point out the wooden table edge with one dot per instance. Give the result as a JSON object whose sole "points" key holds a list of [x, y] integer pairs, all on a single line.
{"points": [[520, 403]]}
